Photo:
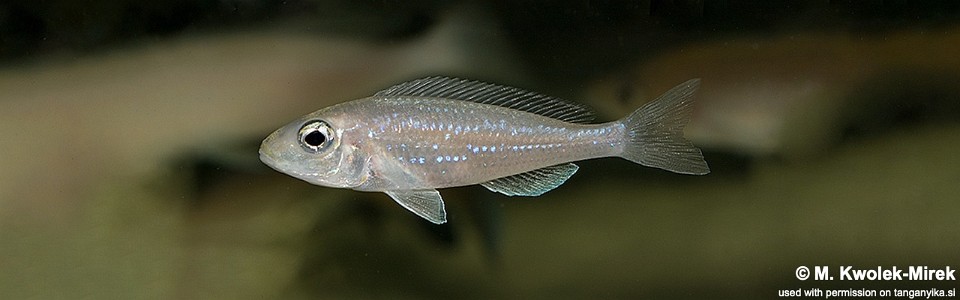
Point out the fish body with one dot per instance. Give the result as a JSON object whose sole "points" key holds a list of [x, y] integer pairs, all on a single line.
{"points": [[437, 132]]}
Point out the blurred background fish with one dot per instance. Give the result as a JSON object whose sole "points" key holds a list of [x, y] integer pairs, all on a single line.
{"points": [[130, 129]]}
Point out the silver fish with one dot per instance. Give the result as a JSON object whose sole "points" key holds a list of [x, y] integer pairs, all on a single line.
{"points": [[437, 132]]}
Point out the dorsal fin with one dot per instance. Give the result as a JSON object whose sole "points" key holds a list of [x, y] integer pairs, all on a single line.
{"points": [[486, 93], [532, 183]]}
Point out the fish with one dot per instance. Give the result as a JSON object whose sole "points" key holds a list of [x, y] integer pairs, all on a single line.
{"points": [[439, 132]]}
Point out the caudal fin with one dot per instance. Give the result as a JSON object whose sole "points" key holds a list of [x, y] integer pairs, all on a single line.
{"points": [[655, 133]]}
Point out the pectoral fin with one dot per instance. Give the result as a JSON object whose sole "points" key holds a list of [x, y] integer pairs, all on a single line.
{"points": [[532, 183], [425, 203]]}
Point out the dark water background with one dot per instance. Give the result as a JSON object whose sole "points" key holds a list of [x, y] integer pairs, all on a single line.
{"points": [[130, 131]]}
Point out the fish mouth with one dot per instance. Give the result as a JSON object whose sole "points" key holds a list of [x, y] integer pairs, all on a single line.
{"points": [[278, 164], [269, 156], [269, 160], [269, 153]]}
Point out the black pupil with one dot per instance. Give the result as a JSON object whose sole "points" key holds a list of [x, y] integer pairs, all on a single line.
{"points": [[314, 138]]}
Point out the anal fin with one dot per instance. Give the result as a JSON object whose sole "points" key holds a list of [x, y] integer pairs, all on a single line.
{"points": [[532, 183], [425, 203]]}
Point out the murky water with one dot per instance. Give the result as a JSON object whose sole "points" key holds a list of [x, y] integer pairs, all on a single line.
{"points": [[130, 166]]}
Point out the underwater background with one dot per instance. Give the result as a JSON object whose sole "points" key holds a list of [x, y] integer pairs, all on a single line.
{"points": [[130, 131]]}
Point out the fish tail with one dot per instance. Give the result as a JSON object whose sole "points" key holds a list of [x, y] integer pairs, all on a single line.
{"points": [[655, 133]]}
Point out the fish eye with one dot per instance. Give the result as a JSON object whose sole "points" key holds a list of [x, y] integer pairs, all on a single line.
{"points": [[315, 136]]}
